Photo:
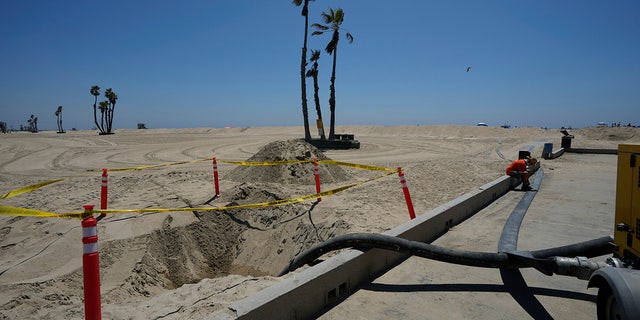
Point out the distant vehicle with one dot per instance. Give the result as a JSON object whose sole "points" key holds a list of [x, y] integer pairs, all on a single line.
{"points": [[601, 124], [482, 124]]}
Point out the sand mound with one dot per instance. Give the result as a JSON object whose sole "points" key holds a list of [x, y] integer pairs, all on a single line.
{"points": [[216, 245], [301, 173], [619, 134]]}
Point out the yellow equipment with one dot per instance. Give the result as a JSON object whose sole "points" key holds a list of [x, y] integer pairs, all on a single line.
{"points": [[619, 284], [627, 221]]}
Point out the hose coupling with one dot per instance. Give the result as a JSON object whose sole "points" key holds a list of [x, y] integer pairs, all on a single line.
{"points": [[579, 267]]}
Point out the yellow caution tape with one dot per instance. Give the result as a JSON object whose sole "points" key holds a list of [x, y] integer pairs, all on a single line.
{"points": [[358, 166], [340, 163], [154, 166], [265, 163], [240, 206], [30, 188], [22, 212], [14, 211], [260, 163]]}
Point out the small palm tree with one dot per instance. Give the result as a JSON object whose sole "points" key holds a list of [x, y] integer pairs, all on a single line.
{"points": [[95, 91], [33, 124], [59, 115], [333, 20], [303, 65], [313, 73]]}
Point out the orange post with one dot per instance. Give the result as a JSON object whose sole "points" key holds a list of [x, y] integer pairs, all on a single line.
{"points": [[91, 266], [215, 176], [316, 173], [407, 196]]}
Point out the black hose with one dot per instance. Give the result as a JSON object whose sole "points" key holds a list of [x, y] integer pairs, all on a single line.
{"points": [[509, 257], [591, 248]]}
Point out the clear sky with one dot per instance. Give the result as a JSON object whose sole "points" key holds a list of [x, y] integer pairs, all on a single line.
{"points": [[216, 63]]}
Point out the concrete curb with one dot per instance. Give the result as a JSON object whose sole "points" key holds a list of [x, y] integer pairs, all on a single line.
{"points": [[592, 151], [306, 293], [553, 154]]}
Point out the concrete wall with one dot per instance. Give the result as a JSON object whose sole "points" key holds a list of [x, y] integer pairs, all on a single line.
{"points": [[305, 293]]}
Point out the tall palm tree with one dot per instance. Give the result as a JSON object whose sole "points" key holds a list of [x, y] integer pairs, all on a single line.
{"points": [[59, 115], [112, 98], [95, 91], [303, 65], [332, 21], [313, 73]]}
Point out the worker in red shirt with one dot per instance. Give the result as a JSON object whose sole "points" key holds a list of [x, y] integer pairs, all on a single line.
{"points": [[522, 168]]}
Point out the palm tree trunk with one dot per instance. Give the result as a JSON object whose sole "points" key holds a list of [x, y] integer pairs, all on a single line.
{"points": [[95, 115], [332, 97], [316, 97], [102, 121], [303, 81], [113, 110], [303, 86], [107, 117]]}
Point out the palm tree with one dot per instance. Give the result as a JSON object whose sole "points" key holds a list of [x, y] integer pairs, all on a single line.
{"points": [[313, 73], [95, 91], [59, 115], [332, 21], [33, 124], [112, 98], [303, 65]]}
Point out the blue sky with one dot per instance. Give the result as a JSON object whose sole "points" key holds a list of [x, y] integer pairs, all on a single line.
{"points": [[216, 63]]}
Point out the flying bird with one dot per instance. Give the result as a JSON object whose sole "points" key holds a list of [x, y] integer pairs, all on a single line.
{"points": [[468, 69]]}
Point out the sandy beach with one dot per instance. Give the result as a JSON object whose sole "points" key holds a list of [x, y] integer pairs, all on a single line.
{"points": [[188, 264]]}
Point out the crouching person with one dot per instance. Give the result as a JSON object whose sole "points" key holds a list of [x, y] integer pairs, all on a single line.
{"points": [[522, 169]]}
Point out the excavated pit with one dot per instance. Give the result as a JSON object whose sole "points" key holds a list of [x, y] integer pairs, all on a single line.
{"points": [[256, 241]]}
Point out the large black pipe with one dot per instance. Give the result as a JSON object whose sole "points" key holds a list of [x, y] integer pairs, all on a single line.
{"points": [[591, 248]]}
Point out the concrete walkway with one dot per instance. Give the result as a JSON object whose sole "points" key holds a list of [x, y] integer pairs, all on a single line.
{"points": [[574, 203]]}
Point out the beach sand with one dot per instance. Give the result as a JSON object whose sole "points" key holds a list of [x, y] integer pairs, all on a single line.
{"points": [[188, 264]]}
